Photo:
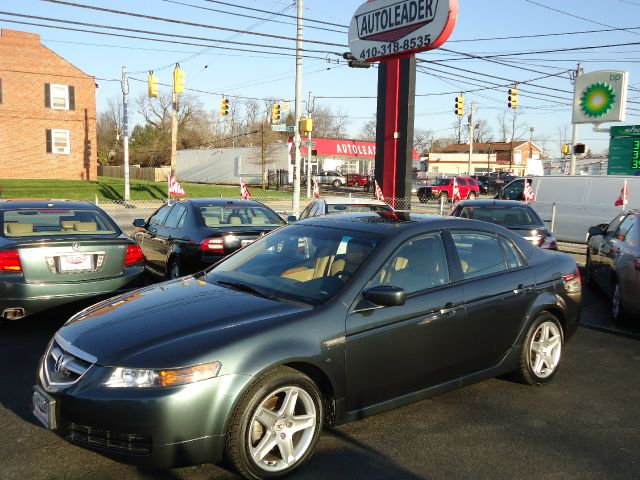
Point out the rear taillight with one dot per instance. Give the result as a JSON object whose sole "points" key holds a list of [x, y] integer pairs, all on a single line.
{"points": [[134, 255], [572, 281], [10, 261], [215, 245]]}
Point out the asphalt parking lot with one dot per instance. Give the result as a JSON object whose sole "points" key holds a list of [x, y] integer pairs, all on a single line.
{"points": [[584, 425]]}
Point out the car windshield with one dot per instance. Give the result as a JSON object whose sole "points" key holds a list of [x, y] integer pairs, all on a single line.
{"points": [[300, 263], [356, 208], [521, 216], [442, 182], [216, 215], [33, 222]]}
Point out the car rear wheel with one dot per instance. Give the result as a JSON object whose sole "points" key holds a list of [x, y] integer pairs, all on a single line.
{"points": [[471, 195], [174, 269], [542, 350], [356, 183], [276, 426], [337, 183], [618, 313]]}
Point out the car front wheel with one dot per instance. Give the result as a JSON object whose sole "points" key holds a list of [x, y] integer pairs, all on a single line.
{"points": [[618, 313], [174, 269], [337, 183], [276, 426], [542, 350], [471, 195]]}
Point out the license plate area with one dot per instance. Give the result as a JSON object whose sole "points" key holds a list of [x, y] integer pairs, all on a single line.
{"points": [[76, 262], [44, 408], [244, 243]]}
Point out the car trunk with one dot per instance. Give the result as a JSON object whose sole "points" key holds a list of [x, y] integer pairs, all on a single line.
{"points": [[72, 260], [238, 238]]}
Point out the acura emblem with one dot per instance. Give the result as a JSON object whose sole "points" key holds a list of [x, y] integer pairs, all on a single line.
{"points": [[58, 366], [76, 246]]}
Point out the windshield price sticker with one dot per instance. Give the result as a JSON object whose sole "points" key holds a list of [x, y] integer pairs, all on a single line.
{"points": [[392, 28]]}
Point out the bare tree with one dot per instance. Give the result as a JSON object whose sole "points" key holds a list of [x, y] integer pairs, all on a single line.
{"points": [[109, 131], [368, 130], [422, 139], [457, 129], [503, 126], [483, 132]]}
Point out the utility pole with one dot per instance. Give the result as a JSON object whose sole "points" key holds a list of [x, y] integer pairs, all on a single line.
{"points": [[513, 134], [574, 136], [174, 126], [309, 111], [262, 151], [471, 133], [124, 85], [298, 107]]}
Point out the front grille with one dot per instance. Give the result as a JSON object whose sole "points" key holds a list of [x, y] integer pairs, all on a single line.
{"points": [[63, 367], [105, 439]]}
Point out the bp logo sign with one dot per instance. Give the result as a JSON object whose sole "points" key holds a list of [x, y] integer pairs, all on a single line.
{"points": [[600, 97]]}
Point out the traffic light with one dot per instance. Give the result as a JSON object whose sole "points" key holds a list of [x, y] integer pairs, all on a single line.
{"points": [[513, 97], [275, 113], [459, 107], [579, 148], [566, 149], [178, 80], [224, 106], [305, 125], [154, 88]]}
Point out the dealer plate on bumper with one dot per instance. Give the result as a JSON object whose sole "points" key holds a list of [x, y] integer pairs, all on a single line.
{"points": [[44, 408]]}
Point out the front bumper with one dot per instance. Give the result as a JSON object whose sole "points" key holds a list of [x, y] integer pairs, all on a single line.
{"points": [[36, 297], [153, 428]]}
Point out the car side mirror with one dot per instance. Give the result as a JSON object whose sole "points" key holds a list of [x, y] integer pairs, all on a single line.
{"points": [[386, 295], [139, 222], [597, 229], [292, 219]]}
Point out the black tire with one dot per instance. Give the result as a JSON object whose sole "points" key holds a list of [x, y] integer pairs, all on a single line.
{"points": [[529, 370], [618, 313], [246, 431], [337, 183], [173, 269], [356, 183], [471, 196]]}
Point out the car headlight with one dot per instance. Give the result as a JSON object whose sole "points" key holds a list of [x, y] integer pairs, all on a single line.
{"points": [[122, 377]]}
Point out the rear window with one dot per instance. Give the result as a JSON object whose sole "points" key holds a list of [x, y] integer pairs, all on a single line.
{"points": [[55, 221], [512, 216], [217, 215], [355, 208]]}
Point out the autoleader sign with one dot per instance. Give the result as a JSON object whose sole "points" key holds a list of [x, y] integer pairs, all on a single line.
{"points": [[393, 28]]}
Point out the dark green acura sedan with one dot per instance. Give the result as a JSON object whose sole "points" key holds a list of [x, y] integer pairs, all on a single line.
{"points": [[316, 324], [57, 252]]}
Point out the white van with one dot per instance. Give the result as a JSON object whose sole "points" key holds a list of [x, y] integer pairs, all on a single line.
{"points": [[581, 201]]}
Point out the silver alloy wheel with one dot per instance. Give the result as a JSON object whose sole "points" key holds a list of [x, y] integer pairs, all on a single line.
{"points": [[282, 428], [615, 301], [545, 349]]}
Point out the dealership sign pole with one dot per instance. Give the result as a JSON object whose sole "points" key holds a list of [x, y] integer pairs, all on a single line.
{"points": [[392, 32]]}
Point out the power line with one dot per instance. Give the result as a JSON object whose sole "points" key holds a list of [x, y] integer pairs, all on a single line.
{"points": [[184, 22], [542, 35], [244, 15], [160, 34], [244, 7]]}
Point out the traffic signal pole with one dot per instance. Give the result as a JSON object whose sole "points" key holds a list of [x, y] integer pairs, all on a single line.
{"points": [[174, 128], [125, 132], [298, 106], [574, 135]]}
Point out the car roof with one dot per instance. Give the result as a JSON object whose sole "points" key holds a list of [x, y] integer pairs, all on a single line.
{"points": [[352, 201], [43, 204], [224, 201], [388, 222], [493, 203]]}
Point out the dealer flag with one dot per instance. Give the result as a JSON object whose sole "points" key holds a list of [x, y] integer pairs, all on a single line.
{"points": [[378, 191], [456, 190], [175, 188], [528, 194], [244, 191], [316, 189], [623, 198]]}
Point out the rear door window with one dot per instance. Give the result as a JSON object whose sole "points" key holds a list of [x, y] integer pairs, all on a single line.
{"points": [[462, 182], [157, 219], [625, 227], [176, 217], [480, 253]]}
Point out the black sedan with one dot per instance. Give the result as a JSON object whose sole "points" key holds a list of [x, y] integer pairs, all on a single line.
{"points": [[57, 252], [516, 216], [319, 323], [191, 235]]}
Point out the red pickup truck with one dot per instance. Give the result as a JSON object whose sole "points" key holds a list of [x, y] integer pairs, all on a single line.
{"points": [[443, 187]]}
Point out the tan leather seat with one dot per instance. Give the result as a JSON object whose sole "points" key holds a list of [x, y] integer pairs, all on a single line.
{"points": [[18, 228], [258, 221], [211, 221], [85, 227]]}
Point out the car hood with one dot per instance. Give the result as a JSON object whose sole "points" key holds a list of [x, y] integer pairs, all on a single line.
{"points": [[168, 323]]}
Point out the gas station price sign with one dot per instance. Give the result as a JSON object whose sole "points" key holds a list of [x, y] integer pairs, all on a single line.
{"points": [[624, 150]]}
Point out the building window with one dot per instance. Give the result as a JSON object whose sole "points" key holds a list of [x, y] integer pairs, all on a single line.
{"points": [[58, 142], [59, 97]]}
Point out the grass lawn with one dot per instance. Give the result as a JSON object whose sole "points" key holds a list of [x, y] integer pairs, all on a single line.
{"points": [[107, 188]]}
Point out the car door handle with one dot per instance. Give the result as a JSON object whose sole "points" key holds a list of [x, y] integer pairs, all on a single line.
{"points": [[448, 309], [428, 319], [519, 290]]}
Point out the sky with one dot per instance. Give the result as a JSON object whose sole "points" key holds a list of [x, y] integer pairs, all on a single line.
{"points": [[521, 31]]}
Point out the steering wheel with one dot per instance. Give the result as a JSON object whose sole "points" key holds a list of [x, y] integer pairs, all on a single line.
{"points": [[341, 273]]}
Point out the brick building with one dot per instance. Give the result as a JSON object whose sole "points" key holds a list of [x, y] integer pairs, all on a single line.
{"points": [[519, 157], [47, 112]]}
